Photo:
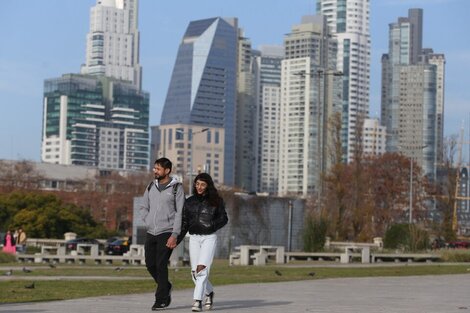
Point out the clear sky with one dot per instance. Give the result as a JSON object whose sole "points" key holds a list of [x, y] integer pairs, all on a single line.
{"points": [[45, 39]]}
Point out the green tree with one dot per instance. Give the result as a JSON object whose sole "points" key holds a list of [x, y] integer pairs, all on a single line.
{"points": [[46, 216], [314, 233]]}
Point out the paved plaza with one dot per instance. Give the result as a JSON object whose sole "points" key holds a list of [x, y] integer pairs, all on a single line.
{"points": [[423, 294]]}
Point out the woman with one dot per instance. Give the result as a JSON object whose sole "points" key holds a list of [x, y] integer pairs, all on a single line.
{"points": [[203, 214], [9, 243]]}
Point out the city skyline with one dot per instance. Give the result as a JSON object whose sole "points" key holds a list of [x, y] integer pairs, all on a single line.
{"points": [[42, 46]]}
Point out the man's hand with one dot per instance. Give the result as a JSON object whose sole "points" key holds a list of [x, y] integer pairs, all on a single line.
{"points": [[171, 242]]}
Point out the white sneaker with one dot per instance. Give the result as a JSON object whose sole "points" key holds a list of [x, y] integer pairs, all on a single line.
{"points": [[197, 306], [209, 301]]}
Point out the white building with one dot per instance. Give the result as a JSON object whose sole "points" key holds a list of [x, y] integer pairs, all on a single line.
{"points": [[309, 96], [113, 41], [192, 149], [373, 137], [349, 22], [268, 82]]}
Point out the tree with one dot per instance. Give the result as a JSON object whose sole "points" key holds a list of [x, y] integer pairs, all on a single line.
{"points": [[314, 233], [46, 216]]}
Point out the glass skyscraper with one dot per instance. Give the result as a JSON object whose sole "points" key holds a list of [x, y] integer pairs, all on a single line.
{"points": [[95, 121], [413, 94], [202, 89]]}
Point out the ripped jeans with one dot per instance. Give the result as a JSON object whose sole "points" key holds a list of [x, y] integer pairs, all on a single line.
{"points": [[201, 252]]}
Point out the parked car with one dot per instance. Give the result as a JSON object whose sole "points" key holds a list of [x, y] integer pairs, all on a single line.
{"points": [[459, 245], [117, 247], [72, 244]]}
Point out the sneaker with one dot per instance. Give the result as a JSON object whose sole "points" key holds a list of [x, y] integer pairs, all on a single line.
{"points": [[209, 301], [197, 306], [157, 306]]}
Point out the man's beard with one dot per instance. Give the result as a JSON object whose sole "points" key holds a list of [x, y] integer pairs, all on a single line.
{"points": [[159, 177]]}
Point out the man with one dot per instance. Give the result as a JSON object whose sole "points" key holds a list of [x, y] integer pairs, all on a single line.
{"points": [[161, 210], [21, 241]]}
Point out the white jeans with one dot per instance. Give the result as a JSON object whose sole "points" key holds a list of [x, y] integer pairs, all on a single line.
{"points": [[201, 252]]}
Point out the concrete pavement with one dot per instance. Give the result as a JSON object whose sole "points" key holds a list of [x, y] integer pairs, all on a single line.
{"points": [[420, 294]]}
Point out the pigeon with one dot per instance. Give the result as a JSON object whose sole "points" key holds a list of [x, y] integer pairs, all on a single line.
{"points": [[118, 269], [30, 286], [8, 273], [26, 270], [278, 273], [51, 265], [311, 274]]}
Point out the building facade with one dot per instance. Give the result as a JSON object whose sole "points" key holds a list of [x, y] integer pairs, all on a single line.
{"points": [[268, 85], [112, 48], [192, 149], [413, 94], [373, 137], [309, 97], [202, 90], [246, 121], [349, 22], [95, 121]]}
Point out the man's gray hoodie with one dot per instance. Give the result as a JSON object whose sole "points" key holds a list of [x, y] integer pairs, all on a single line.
{"points": [[158, 209]]}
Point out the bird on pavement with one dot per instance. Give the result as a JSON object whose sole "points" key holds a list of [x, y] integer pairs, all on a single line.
{"points": [[30, 286], [278, 273], [26, 270], [8, 273]]}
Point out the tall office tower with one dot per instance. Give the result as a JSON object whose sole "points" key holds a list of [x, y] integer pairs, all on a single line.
{"points": [[373, 137], [413, 94], [309, 97], [439, 61], [113, 41], [349, 22], [202, 89], [246, 122], [95, 121], [268, 86]]}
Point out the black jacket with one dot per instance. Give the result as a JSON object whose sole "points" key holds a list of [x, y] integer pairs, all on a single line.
{"points": [[201, 218]]}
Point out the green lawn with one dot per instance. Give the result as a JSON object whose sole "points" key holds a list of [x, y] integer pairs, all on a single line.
{"points": [[221, 274]]}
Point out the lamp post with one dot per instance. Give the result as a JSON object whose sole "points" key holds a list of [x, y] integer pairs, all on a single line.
{"points": [[191, 158], [411, 183], [322, 120]]}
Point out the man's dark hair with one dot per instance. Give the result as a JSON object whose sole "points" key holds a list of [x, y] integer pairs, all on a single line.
{"points": [[164, 162]]}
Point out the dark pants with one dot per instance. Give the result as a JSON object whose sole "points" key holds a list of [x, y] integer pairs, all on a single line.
{"points": [[156, 259]]}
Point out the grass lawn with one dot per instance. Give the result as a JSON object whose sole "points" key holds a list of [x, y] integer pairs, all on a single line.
{"points": [[221, 274]]}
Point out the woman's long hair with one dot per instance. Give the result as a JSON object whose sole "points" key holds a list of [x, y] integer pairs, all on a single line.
{"points": [[211, 192]]}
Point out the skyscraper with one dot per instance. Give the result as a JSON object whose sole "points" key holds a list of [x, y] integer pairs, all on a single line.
{"points": [[268, 85], [203, 84], [246, 121], [101, 118], [95, 121], [413, 94], [309, 96], [113, 41], [349, 22]]}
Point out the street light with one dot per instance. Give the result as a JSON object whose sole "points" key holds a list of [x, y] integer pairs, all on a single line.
{"points": [[411, 183], [191, 158], [322, 120]]}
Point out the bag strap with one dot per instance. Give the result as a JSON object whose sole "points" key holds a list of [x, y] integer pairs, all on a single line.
{"points": [[150, 185], [175, 190]]}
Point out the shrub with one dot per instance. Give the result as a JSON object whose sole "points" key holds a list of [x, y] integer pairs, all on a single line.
{"points": [[455, 255], [314, 234], [7, 257], [406, 236]]}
